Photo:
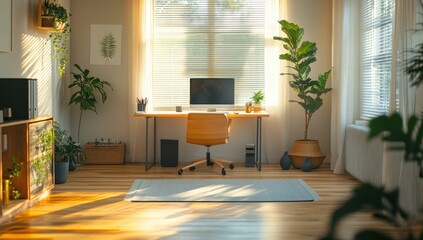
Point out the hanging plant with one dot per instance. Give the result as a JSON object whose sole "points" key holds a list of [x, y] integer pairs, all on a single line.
{"points": [[61, 35]]}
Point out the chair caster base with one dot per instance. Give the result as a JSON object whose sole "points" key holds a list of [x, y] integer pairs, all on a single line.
{"points": [[192, 168], [231, 166], [223, 171], [180, 171]]}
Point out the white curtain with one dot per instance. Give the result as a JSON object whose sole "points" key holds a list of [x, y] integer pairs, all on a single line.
{"points": [[345, 78], [140, 72], [398, 173], [276, 128], [345, 75], [401, 96]]}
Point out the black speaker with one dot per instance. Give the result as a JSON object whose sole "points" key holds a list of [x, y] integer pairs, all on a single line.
{"points": [[169, 153], [249, 155]]}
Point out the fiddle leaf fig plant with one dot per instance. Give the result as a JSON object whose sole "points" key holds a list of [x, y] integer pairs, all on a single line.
{"points": [[301, 54], [87, 87]]}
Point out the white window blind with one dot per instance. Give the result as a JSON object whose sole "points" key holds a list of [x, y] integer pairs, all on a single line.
{"points": [[376, 54], [207, 38]]}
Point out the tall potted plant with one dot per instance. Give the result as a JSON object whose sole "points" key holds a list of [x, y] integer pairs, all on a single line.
{"points": [[86, 89], [301, 54]]}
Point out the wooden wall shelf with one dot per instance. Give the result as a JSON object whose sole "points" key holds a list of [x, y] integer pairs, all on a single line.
{"points": [[44, 22]]}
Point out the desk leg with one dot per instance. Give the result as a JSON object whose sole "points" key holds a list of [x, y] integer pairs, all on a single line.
{"points": [[258, 144], [147, 164], [155, 142]]}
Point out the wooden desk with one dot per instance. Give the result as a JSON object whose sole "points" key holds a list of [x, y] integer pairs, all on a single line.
{"points": [[184, 114]]}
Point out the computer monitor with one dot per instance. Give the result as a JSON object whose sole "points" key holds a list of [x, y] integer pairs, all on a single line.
{"points": [[212, 93]]}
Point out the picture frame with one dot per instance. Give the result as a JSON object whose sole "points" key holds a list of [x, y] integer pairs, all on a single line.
{"points": [[105, 44], [6, 8]]}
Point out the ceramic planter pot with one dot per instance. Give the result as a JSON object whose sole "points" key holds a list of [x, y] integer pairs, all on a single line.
{"points": [[257, 107], [303, 149], [285, 161], [61, 170]]}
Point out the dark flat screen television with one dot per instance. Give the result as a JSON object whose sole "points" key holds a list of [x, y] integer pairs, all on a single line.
{"points": [[212, 92]]}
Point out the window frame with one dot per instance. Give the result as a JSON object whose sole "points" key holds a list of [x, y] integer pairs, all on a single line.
{"points": [[240, 97], [372, 105]]}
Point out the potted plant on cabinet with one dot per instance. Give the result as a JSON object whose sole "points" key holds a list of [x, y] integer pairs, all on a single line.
{"points": [[85, 96], [309, 91], [257, 98]]}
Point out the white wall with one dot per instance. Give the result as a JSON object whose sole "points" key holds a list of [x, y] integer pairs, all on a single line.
{"points": [[112, 119], [31, 58], [314, 16]]}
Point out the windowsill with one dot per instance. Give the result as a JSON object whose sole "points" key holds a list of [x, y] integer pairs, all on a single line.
{"points": [[364, 123]]}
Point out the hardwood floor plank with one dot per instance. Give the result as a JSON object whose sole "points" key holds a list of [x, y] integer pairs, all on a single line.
{"points": [[91, 206]]}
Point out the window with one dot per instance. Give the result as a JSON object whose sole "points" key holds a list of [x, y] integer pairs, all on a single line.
{"points": [[207, 38], [376, 55]]}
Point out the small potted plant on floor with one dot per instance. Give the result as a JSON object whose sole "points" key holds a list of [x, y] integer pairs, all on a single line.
{"points": [[66, 154], [309, 91]]}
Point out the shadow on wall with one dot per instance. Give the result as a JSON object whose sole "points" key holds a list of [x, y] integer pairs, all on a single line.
{"points": [[37, 63]]}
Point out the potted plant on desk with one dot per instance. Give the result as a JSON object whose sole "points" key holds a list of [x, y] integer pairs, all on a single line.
{"points": [[301, 54], [257, 98]]}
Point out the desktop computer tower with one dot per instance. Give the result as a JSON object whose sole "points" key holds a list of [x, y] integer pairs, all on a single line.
{"points": [[249, 155], [169, 153], [19, 97]]}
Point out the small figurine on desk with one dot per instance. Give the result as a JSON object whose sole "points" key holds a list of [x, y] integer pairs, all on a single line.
{"points": [[142, 104]]}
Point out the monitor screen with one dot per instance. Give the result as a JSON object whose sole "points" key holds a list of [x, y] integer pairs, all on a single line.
{"points": [[212, 91]]}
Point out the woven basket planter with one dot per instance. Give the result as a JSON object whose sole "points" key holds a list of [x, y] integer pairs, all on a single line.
{"points": [[104, 153], [306, 149]]}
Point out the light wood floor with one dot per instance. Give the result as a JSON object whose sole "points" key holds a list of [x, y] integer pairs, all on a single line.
{"points": [[90, 206]]}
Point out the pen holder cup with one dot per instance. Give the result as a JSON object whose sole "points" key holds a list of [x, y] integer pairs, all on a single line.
{"points": [[141, 107]]}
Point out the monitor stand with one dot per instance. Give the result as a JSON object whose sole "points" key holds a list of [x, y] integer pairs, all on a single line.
{"points": [[210, 109]]}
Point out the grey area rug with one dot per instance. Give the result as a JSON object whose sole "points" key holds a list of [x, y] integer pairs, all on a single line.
{"points": [[224, 190]]}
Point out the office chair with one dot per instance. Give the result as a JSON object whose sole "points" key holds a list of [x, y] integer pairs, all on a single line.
{"points": [[208, 129]]}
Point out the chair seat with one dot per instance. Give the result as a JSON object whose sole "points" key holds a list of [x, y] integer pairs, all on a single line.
{"points": [[208, 129]]}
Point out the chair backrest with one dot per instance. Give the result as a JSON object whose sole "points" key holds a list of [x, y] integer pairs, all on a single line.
{"points": [[207, 128]]}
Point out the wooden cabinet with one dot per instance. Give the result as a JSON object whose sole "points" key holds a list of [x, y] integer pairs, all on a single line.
{"points": [[31, 143], [40, 166]]}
